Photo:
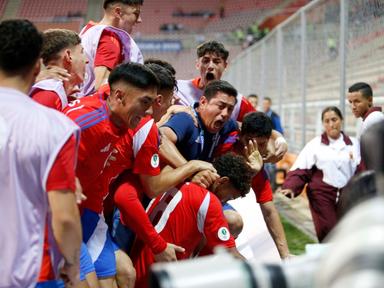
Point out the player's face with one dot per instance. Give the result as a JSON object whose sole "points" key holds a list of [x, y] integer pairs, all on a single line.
{"points": [[160, 107], [129, 16], [217, 111], [135, 103], [359, 104], [211, 67], [226, 192], [262, 142], [79, 61], [266, 105], [253, 101], [332, 124]]}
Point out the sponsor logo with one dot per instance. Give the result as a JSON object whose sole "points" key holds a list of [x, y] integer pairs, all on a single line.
{"points": [[155, 161], [223, 234], [106, 148]]}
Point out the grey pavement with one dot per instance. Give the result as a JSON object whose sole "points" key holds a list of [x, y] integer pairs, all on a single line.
{"points": [[297, 212]]}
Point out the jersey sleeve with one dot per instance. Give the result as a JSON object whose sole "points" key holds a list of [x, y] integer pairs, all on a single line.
{"points": [[245, 107], [146, 160], [182, 124], [262, 187], [216, 229], [228, 144], [62, 174], [108, 52], [49, 99]]}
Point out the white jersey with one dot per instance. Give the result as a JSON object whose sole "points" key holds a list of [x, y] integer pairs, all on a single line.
{"points": [[52, 85], [31, 136], [90, 38], [190, 94], [336, 159]]}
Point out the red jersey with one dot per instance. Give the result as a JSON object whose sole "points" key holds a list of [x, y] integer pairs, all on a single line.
{"points": [[260, 182], [98, 137], [61, 177], [47, 98], [183, 217]]}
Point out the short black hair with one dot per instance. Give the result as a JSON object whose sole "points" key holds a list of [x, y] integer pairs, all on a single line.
{"points": [[213, 47], [256, 123], [166, 79], [215, 86], [364, 88], [20, 46], [331, 108], [137, 75], [126, 2], [252, 96], [236, 169], [268, 99], [162, 63]]}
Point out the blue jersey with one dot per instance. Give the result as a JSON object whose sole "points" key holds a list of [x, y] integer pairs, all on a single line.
{"points": [[196, 143]]}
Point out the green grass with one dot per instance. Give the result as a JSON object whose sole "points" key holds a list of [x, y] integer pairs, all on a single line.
{"points": [[295, 238]]}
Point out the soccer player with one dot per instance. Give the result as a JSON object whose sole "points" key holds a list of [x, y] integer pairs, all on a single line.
{"points": [[189, 213], [61, 48], [103, 123], [256, 130], [37, 175], [360, 97], [212, 60], [108, 43]]}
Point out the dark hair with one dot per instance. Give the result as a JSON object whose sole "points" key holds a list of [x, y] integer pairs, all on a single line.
{"points": [[252, 96], [162, 63], [331, 108], [134, 74], [20, 46], [360, 188], [268, 99], [126, 2], [364, 88], [55, 40], [236, 169], [213, 47], [216, 86], [256, 123], [166, 79]]}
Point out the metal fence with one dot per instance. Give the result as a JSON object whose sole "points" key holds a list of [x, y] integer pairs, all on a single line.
{"points": [[309, 61]]}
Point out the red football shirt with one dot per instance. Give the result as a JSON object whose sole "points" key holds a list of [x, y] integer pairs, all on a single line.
{"points": [[47, 98], [183, 216], [98, 137]]}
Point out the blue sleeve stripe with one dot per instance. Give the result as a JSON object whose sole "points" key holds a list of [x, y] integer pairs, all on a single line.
{"points": [[93, 123]]}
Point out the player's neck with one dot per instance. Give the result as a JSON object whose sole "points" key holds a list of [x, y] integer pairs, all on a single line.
{"points": [[17, 82], [108, 20]]}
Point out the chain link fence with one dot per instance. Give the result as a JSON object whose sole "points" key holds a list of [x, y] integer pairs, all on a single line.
{"points": [[309, 61]]}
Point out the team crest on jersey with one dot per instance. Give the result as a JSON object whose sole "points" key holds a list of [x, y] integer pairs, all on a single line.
{"points": [[155, 161], [223, 234]]}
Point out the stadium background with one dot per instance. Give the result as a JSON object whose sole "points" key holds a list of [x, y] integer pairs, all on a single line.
{"points": [[303, 54]]}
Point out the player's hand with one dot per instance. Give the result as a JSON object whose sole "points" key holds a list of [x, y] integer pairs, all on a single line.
{"points": [[253, 156], [80, 197], [70, 273], [174, 109], [53, 72], [200, 165], [288, 193], [205, 178], [169, 254], [281, 148]]}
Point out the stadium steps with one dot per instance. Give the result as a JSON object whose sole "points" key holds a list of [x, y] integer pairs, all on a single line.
{"points": [[11, 9]]}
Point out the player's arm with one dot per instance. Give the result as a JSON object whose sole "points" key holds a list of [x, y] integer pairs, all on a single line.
{"points": [[101, 76], [170, 177], [275, 228], [168, 149], [280, 147], [65, 213]]}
